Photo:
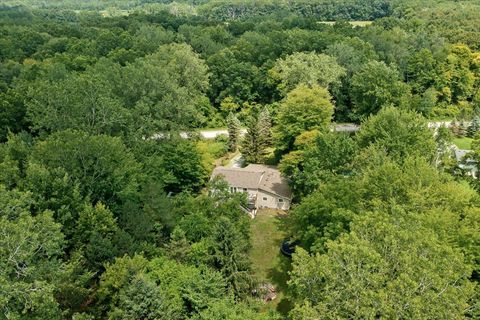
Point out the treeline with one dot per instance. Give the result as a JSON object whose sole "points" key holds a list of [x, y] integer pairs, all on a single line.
{"points": [[232, 10], [326, 10]]}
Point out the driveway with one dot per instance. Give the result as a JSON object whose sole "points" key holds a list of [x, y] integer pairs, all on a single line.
{"points": [[212, 134], [236, 162]]}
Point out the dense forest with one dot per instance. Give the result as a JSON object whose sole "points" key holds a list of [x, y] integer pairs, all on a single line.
{"points": [[106, 206]]}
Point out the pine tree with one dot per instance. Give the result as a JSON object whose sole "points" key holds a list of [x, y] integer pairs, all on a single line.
{"points": [[230, 256], [234, 127], [265, 124], [473, 127], [254, 144], [178, 247]]}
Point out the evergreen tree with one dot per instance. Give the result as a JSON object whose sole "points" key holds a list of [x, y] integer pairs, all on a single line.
{"points": [[230, 256], [234, 127], [178, 247], [255, 142], [473, 127], [265, 124]]}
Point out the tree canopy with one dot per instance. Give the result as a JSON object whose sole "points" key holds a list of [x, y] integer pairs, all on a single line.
{"points": [[113, 115]]}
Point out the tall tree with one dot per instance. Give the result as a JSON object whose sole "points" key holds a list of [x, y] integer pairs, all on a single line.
{"points": [[377, 85], [230, 256], [303, 109], [80, 101], [399, 132], [257, 139], [319, 158], [474, 127], [265, 123], [30, 266], [306, 68], [234, 128], [103, 167]]}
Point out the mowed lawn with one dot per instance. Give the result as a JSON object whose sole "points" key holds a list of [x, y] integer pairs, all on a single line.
{"points": [[463, 143], [269, 265], [357, 23]]}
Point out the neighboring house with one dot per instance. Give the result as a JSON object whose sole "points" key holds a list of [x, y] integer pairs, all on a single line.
{"points": [[465, 163], [265, 185]]}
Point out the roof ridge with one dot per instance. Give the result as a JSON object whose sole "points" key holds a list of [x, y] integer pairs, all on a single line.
{"points": [[239, 169]]}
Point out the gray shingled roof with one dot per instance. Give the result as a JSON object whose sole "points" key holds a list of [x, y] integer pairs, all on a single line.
{"points": [[255, 176]]}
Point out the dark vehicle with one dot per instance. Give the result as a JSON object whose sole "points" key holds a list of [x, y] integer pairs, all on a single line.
{"points": [[288, 247]]}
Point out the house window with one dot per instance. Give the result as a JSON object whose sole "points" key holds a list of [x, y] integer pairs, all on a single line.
{"points": [[265, 199], [280, 200], [245, 190], [231, 189]]}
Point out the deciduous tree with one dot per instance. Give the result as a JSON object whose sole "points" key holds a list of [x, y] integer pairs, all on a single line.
{"points": [[386, 266], [303, 109], [377, 85], [309, 69]]}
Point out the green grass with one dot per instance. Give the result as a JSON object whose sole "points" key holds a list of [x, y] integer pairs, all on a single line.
{"points": [[463, 143], [210, 152], [268, 263], [357, 23]]}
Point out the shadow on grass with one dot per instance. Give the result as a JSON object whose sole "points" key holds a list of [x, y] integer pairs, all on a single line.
{"points": [[278, 274]]}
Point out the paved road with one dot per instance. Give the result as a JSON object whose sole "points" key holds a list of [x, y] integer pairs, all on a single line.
{"points": [[345, 127], [212, 134]]}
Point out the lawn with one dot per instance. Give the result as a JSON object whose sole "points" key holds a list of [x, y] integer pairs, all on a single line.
{"points": [[463, 143], [268, 263], [357, 23]]}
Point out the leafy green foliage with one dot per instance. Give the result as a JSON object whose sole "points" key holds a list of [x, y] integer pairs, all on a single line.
{"points": [[385, 267], [377, 85], [307, 68], [31, 247], [101, 165], [104, 212], [229, 256], [400, 133], [303, 109], [315, 161], [234, 127]]}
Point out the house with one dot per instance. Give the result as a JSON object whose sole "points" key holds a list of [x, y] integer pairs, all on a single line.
{"points": [[466, 163], [265, 185]]}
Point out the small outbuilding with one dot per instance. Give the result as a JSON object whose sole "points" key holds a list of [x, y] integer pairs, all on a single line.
{"points": [[265, 185]]}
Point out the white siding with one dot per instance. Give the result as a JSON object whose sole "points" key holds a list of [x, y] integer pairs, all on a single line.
{"points": [[267, 200], [264, 199]]}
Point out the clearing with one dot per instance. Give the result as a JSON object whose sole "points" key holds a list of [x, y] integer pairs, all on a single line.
{"points": [[357, 23], [269, 264], [463, 143]]}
